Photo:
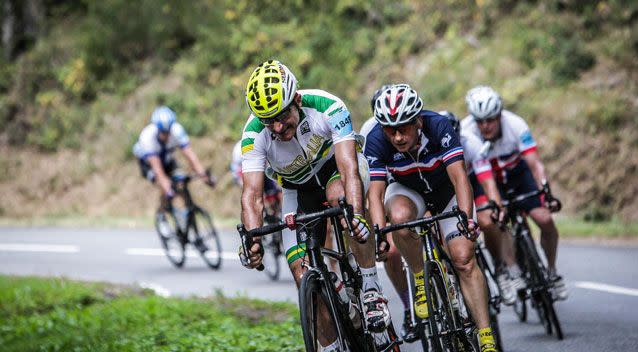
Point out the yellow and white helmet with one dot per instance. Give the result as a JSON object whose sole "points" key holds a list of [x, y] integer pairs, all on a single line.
{"points": [[271, 88]]}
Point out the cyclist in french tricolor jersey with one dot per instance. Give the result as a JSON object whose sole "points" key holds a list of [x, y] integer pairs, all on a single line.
{"points": [[511, 159], [306, 137], [421, 152]]}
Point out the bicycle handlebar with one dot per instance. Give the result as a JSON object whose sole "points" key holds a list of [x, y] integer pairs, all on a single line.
{"points": [[455, 212], [292, 221]]}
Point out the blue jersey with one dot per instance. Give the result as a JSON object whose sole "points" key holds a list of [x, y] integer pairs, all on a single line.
{"points": [[440, 147]]}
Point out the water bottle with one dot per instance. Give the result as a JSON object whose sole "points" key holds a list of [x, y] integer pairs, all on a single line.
{"points": [[344, 298]]}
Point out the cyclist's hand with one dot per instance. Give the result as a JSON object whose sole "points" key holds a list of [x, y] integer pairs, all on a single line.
{"points": [[209, 179], [360, 227], [472, 231], [255, 254], [502, 214]]}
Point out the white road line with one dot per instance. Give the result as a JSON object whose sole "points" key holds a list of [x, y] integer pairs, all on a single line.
{"points": [[38, 247], [154, 252], [607, 288], [159, 290]]}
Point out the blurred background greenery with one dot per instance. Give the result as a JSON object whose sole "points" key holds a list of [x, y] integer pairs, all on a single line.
{"points": [[78, 80]]}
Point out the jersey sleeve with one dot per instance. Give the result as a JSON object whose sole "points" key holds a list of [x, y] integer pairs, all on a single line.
{"points": [[179, 133], [525, 141], [341, 124], [147, 144], [477, 164], [374, 153], [449, 140], [253, 150]]}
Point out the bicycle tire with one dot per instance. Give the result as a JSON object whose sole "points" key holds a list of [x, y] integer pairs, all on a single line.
{"points": [[272, 253], [439, 307], [310, 292], [174, 246], [207, 240], [551, 314], [520, 307]]}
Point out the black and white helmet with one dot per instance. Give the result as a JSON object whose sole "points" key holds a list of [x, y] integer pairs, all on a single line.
{"points": [[483, 102], [452, 118], [397, 105]]}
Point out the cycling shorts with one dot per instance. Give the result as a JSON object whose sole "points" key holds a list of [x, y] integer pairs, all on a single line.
{"points": [[441, 202], [170, 168], [522, 182], [311, 197]]}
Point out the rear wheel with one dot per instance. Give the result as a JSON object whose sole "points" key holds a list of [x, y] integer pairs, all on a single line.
{"points": [[207, 240], [172, 243]]}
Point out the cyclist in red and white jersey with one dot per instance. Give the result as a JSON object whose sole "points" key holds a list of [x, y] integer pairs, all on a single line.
{"points": [[509, 160]]}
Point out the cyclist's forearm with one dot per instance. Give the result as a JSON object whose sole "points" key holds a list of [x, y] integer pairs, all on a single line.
{"points": [[354, 193], [252, 206], [491, 190], [462, 188], [375, 199], [536, 166], [193, 160]]}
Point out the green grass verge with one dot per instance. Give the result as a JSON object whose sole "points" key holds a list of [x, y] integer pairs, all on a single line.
{"points": [[38, 314], [576, 228]]}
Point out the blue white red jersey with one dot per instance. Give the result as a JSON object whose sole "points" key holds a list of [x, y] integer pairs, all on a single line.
{"points": [[149, 144], [439, 147], [500, 158]]}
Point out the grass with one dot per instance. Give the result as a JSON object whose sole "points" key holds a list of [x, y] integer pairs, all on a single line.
{"points": [[63, 315]]}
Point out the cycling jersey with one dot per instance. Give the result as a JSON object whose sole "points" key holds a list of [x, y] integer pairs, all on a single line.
{"points": [[149, 143], [324, 121], [504, 154], [439, 147]]}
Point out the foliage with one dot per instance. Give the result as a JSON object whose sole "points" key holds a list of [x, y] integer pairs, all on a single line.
{"points": [[61, 315]]}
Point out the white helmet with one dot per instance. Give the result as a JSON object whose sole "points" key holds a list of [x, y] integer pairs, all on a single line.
{"points": [[397, 105], [483, 102], [163, 117]]}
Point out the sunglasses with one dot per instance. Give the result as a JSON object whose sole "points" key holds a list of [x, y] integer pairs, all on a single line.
{"points": [[281, 117], [487, 119]]}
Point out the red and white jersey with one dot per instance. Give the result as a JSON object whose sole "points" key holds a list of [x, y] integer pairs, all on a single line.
{"points": [[502, 156]]}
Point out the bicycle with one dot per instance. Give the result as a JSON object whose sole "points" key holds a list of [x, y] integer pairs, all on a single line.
{"points": [[188, 224], [445, 329], [318, 283], [272, 243], [493, 290], [535, 272]]}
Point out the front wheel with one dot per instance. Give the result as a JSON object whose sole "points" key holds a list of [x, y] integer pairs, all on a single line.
{"points": [[311, 297], [207, 240], [172, 243]]}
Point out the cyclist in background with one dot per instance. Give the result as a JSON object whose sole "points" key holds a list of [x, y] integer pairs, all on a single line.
{"points": [[499, 242], [154, 151], [422, 153], [306, 137], [508, 160]]}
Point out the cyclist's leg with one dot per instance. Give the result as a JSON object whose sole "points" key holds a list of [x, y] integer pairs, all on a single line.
{"points": [[375, 304], [461, 251], [403, 204], [541, 216]]}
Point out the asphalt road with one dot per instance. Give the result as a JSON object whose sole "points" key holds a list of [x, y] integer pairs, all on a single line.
{"points": [[600, 315]]}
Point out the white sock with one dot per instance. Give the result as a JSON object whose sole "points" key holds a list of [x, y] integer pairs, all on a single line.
{"points": [[514, 271], [331, 347], [370, 279]]}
